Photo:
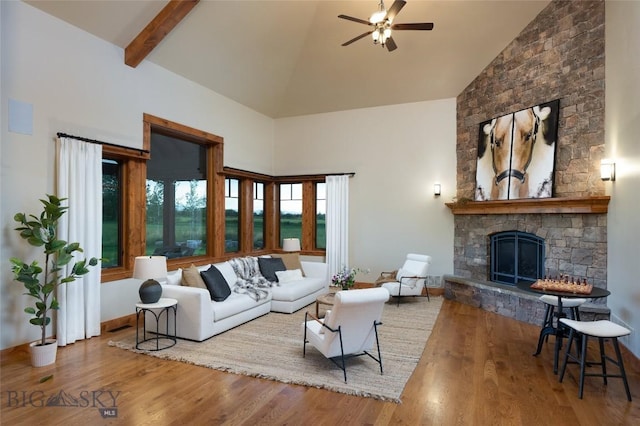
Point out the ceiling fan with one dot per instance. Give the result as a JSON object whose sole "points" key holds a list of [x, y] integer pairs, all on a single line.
{"points": [[382, 23]]}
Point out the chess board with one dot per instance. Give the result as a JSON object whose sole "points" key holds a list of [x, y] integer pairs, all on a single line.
{"points": [[562, 286]]}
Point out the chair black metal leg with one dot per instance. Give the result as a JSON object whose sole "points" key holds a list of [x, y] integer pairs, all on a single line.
{"points": [[375, 328], [304, 341], [427, 289], [344, 366]]}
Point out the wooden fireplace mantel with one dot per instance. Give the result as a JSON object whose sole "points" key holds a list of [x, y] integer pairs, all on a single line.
{"points": [[593, 204]]}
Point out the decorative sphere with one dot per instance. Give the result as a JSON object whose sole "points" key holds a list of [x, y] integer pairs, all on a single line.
{"points": [[150, 291]]}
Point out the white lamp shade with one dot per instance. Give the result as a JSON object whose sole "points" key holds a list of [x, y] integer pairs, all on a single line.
{"points": [[291, 244], [150, 267]]}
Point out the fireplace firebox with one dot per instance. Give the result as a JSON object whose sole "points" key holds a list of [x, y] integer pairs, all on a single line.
{"points": [[516, 257]]}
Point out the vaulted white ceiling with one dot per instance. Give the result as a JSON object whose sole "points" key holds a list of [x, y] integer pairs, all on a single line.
{"points": [[284, 58]]}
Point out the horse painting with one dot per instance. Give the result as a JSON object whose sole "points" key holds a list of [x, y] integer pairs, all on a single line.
{"points": [[516, 154]]}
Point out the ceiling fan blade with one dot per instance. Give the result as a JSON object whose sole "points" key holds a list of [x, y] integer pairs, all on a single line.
{"points": [[394, 9], [358, 20], [418, 26], [391, 45], [356, 38]]}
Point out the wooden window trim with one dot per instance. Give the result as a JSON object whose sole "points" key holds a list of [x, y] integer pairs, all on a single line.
{"points": [[132, 216], [215, 187]]}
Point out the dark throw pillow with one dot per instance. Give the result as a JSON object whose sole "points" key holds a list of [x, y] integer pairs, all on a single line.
{"points": [[269, 266], [216, 284]]}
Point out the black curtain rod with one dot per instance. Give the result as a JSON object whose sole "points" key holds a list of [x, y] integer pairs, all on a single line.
{"points": [[65, 135]]}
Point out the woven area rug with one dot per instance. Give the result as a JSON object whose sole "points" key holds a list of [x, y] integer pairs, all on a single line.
{"points": [[270, 347]]}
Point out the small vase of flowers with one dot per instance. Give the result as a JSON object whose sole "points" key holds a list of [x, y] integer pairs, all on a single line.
{"points": [[346, 278]]}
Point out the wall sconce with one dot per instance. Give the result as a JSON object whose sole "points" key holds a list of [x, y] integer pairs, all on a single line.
{"points": [[437, 189], [607, 170]]}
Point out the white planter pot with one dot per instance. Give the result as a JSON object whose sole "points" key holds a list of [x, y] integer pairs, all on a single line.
{"points": [[43, 355]]}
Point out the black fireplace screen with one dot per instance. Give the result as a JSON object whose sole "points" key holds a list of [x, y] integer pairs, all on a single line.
{"points": [[516, 257]]}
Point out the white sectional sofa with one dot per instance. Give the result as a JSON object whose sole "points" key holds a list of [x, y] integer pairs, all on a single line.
{"points": [[199, 317]]}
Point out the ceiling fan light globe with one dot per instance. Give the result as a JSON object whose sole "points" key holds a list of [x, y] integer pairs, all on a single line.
{"points": [[387, 33], [375, 35], [378, 16]]}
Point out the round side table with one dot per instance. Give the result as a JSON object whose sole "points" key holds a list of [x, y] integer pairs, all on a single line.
{"points": [[162, 306]]}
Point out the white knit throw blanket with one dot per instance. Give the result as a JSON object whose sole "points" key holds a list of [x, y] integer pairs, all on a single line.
{"points": [[250, 280]]}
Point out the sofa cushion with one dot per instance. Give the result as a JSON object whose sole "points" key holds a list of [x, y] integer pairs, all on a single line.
{"points": [[216, 284], [175, 277], [402, 273], [327, 315], [236, 303], [269, 266], [294, 290], [227, 272], [289, 275], [191, 277], [291, 260]]}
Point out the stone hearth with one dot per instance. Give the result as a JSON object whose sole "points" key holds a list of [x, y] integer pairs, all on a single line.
{"points": [[508, 301], [575, 245]]}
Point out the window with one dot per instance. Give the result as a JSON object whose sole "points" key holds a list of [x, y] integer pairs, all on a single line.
{"points": [[258, 215], [111, 213], [176, 198], [122, 174], [302, 212], [290, 211], [231, 215], [321, 214]]}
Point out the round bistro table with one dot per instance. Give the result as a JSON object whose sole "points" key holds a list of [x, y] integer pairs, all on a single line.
{"points": [[596, 293]]}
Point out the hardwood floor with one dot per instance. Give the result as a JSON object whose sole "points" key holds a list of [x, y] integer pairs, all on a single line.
{"points": [[477, 369]]}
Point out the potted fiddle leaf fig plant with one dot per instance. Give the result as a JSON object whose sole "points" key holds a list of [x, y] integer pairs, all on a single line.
{"points": [[41, 283]]}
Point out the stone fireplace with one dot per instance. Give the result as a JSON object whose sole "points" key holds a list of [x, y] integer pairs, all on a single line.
{"points": [[575, 239], [544, 62]]}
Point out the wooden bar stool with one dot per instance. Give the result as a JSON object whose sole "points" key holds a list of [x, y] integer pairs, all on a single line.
{"points": [[603, 329]]}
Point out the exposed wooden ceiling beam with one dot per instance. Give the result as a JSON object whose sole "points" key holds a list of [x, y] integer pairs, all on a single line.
{"points": [[156, 30]]}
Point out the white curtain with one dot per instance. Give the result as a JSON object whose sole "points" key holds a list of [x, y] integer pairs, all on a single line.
{"points": [[79, 179], [337, 222]]}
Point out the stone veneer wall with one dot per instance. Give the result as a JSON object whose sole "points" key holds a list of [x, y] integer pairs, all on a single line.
{"points": [[575, 244], [559, 55]]}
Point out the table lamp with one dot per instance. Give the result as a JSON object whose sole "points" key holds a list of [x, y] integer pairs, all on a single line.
{"points": [[150, 268], [291, 244]]}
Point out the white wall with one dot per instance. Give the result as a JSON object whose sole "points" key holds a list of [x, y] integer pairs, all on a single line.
{"points": [[622, 134], [397, 152], [79, 84]]}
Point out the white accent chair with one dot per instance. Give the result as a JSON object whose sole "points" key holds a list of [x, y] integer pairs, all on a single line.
{"points": [[411, 278], [349, 328]]}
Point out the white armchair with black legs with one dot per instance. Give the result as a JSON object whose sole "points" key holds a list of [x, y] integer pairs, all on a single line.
{"points": [[411, 278], [350, 328]]}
